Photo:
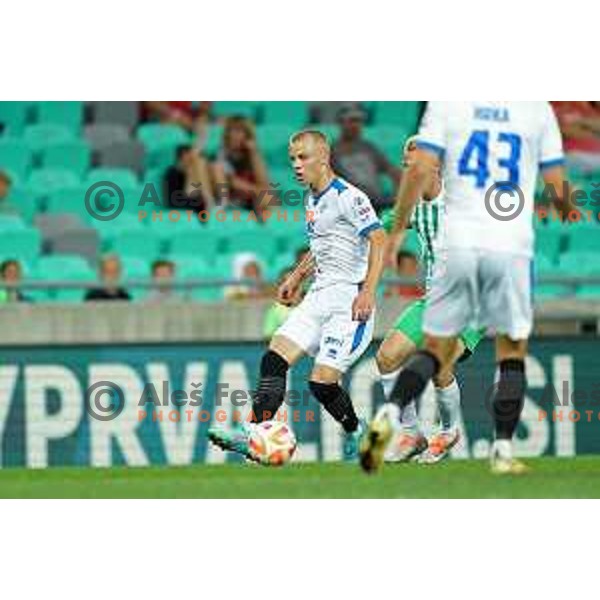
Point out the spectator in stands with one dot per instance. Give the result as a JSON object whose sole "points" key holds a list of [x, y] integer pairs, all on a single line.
{"points": [[580, 126], [407, 265], [110, 276], [163, 274], [360, 161], [328, 112], [187, 184], [6, 206], [10, 272], [190, 115], [240, 172], [247, 268]]}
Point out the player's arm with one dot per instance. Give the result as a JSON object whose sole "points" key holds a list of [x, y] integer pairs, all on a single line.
{"points": [[364, 303], [555, 178], [419, 178], [552, 163], [360, 213], [303, 269]]}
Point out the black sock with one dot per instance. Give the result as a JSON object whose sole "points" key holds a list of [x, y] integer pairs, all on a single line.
{"points": [[418, 371], [270, 393], [337, 403], [509, 398]]}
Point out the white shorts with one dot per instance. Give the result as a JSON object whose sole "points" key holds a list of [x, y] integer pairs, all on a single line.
{"points": [[475, 288], [322, 326]]}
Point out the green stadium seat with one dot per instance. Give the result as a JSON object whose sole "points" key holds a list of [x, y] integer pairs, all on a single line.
{"points": [[67, 114], [550, 292], [42, 182], [65, 268], [109, 229], [25, 201], [155, 178], [242, 108], [136, 269], [574, 264], [22, 244], [544, 265], [75, 155], [40, 136], [404, 114], [160, 157], [15, 156], [548, 242], [259, 242], [273, 141], [137, 243], [166, 225], [199, 242], [283, 262], [584, 238], [69, 199], [124, 178], [13, 116], [389, 139], [189, 267], [293, 114], [157, 135], [588, 292], [11, 222]]}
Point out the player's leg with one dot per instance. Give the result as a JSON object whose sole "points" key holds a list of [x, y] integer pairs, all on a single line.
{"points": [[447, 396], [296, 337], [507, 402], [343, 341], [450, 309], [506, 306], [401, 343]]}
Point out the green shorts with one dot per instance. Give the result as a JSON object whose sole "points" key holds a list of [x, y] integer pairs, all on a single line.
{"points": [[410, 323]]}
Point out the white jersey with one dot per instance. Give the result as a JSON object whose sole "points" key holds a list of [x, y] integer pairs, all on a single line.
{"points": [[486, 143], [338, 221]]}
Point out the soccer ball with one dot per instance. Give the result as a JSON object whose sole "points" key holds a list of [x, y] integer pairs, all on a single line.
{"points": [[272, 443]]}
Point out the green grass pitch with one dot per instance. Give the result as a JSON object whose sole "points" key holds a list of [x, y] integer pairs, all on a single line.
{"points": [[550, 478]]}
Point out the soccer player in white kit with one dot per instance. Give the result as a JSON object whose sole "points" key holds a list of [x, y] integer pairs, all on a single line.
{"points": [[334, 322], [490, 154]]}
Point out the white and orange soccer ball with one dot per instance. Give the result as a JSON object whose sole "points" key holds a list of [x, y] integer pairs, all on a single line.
{"points": [[272, 443]]}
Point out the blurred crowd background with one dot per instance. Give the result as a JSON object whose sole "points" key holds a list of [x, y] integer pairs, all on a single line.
{"points": [[220, 156]]}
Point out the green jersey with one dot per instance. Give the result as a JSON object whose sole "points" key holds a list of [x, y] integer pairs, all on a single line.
{"points": [[425, 220]]}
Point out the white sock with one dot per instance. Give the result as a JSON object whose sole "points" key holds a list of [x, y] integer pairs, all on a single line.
{"points": [[387, 383], [448, 401], [502, 449], [407, 416]]}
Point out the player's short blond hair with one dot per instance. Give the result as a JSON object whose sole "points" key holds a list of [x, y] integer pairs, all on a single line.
{"points": [[314, 134]]}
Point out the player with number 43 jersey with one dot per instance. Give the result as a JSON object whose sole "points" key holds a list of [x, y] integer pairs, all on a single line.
{"points": [[407, 336], [489, 154]]}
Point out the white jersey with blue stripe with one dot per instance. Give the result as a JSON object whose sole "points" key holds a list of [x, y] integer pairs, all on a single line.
{"points": [[338, 221], [486, 143]]}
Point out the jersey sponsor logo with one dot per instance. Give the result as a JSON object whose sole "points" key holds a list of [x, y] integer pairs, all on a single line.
{"points": [[333, 341]]}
